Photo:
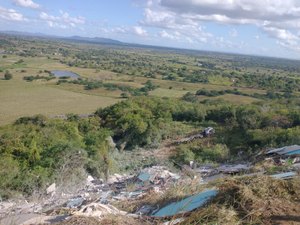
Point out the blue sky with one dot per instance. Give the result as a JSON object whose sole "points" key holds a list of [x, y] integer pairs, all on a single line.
{"points": [[264, 27]]}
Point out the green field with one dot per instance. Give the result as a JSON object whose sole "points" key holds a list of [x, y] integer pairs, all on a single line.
{"points": [[19, 98]]}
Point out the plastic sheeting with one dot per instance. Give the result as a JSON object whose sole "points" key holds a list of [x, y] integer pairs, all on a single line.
{"points": [[186, 205]]}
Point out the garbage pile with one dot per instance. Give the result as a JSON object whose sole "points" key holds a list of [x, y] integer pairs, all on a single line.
{"points": [[281, 155], [98, 197], [95, 199]]}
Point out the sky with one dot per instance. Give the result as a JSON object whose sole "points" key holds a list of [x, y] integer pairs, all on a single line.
{"points": [[255, 27]]}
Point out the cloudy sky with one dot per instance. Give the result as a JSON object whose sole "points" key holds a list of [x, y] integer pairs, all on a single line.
{"points": [[259, 27]]}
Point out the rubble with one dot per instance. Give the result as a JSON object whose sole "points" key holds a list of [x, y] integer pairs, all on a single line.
{"points": [[97, 198], [208, 131], [75, 202], [233, 169], [146, 210], [98, 210], [157, 174]]}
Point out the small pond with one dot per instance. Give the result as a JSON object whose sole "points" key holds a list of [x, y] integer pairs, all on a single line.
{"points": [[64, 73]]}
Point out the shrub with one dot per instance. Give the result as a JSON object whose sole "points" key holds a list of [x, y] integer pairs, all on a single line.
{"points": [[7, 75]]}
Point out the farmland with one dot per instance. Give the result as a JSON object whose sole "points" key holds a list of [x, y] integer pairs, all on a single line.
{"points": [[173, 72]]}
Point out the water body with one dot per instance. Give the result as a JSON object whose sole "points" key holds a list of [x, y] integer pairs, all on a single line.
{"points": [[64, 73]]}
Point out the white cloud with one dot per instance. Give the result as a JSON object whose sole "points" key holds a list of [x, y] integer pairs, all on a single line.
{"points": [[280, 19], [124, 31], [236, 9], [139, 31], [165, 34], [64, 20], [11, 15], [281, 34], [175, 27], [27, 4], [285, 38]]}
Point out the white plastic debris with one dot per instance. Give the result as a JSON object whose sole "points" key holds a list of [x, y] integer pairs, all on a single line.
{"points": [[98, 210]]}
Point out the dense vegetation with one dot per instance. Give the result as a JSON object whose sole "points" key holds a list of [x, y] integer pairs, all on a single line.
{"points": [[35, 151]]}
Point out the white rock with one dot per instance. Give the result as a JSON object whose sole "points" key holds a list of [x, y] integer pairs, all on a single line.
{"points": [[51, 189], [89, 179]]}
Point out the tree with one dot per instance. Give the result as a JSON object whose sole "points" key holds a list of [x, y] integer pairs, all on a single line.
{"points": [[7, 75]]}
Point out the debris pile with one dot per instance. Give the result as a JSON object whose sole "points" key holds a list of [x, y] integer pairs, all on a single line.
{"points": [[98, 210], [98, 198], [280, 155], [205, 133]]}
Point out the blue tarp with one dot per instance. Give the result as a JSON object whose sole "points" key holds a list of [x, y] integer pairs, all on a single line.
{"points": [[297, 152], [287, 150], [186, 205]]}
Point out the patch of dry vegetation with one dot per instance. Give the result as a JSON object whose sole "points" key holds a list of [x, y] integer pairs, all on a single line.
{"points": [[252, 200], [241, 200]]}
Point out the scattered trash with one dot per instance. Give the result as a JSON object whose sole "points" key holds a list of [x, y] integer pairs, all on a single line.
{"points": [[186, 205], [208, 131], [233, 169], [157, 175], [104, 197], [75, 202], [145, 210], [287, 150], [97, 196]]}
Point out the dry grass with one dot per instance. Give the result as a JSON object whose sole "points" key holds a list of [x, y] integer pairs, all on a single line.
{"points": [[241, 200], [252, 200]]}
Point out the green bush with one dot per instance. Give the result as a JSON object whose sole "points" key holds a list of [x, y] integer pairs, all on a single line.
{"points": [[36, 151]]}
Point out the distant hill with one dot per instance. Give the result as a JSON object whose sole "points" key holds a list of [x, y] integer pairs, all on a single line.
{"points": [[98, 40], [93, 40]]}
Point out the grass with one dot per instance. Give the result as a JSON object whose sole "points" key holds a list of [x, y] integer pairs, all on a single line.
{"points": [[219, 80], [238, 99], [19, 98], [241, 200], [171, 93]]}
